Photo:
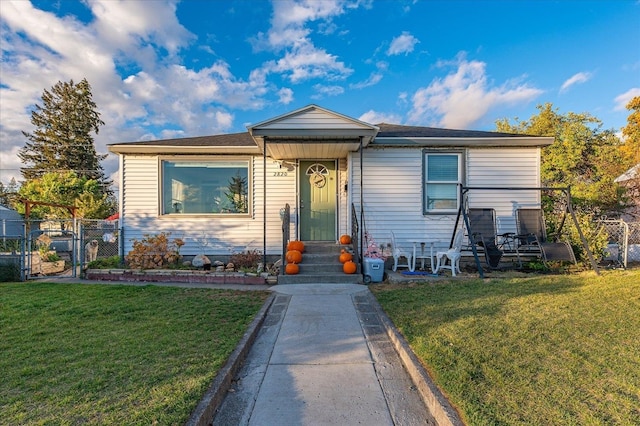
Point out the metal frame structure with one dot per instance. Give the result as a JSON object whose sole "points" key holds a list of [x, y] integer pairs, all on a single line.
{"points": [[462, 211]]}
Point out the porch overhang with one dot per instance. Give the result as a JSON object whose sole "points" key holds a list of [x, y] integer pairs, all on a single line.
{"points": [[311, 133], [293, 147]]}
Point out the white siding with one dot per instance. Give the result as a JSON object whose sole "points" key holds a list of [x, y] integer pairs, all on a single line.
{"points": [[313, 119], [223, 235], [504, 167], [392, 182]]}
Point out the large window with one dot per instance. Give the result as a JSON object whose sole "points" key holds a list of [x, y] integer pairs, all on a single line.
{"points": [[205, 187], [442, 175]]}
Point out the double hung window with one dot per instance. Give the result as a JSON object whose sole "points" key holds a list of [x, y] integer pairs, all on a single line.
{"points": [[205, 186], [443, 173]]}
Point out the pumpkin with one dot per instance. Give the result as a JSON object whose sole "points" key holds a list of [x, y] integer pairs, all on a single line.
{"points": [[345, 239], [292, 269], [349, 267], [294, 256], [296, 245], [345, 256]]}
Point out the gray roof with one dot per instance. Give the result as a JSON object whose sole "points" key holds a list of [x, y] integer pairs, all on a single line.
{"points": [[231, 139], [244, 139], [399, 131]]}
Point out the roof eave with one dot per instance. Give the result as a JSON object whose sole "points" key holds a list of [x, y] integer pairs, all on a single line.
{"points": [[164, 149], [458, 142]]}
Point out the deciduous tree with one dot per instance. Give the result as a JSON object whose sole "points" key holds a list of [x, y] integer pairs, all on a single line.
{"points": [[631, 132], [583, 156], [69, 189]]}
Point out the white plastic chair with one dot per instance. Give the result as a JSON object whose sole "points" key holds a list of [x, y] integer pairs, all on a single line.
{"points": [[453, 255], [398, 253]]}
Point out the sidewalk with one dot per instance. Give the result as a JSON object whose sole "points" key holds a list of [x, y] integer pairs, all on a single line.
{"points": [[318, 354], [323, 357]]}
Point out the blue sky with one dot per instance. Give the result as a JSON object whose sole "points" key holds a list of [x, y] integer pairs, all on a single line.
{"points": [[164, 68]]}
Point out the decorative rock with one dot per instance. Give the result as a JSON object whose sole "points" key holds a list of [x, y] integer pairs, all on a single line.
{"points": [[218, 263], [231, 266], [219, 268], [200, 260]]}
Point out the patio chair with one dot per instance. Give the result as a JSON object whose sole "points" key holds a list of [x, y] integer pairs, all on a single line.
{"points": [[398, 253], [453, 255], [532, 237], [482, 222]]}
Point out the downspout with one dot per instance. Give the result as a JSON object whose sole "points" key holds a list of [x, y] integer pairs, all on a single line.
{"points": [[264, 203]]}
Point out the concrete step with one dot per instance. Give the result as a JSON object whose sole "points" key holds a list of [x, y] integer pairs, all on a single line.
{"points": [[321, 264], [319, 268], [341, 278], [316, 247]]}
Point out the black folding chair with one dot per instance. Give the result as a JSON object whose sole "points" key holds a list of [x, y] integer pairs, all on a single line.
{"points": [[532, 237], [482, 222]]}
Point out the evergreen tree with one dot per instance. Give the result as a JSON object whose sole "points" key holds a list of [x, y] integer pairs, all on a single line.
{"points": [[62, 139], [8, 193]]}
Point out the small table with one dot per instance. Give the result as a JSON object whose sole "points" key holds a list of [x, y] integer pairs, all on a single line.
{"points": [[419, 252]]}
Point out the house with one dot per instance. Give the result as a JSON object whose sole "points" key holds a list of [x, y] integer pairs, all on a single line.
{"points": [[226, 193], [631, 180]]}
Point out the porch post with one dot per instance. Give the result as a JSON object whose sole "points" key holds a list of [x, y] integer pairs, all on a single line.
{"points": [[264, 204], [362, 227]]}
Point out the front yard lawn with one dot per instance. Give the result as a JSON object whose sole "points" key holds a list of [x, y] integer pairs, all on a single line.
{"points": [[105, 354], [560, 350]]}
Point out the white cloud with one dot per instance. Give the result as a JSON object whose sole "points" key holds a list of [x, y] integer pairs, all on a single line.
{"points": [[285, 96], [374, 78], [464, 96], [579, 78], [128, 23], [39, 49], [308, 62], [323, 91], [404, 43], [623, 99], [375, 117], [302, 60]]}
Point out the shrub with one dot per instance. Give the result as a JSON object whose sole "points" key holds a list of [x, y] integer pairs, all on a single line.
{"points": [[595, 234], [247, 260], [9, 272], [154, 252], [112, 262], [51, 257]]}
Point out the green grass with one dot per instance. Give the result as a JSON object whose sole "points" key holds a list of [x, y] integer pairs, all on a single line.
{"points": [[105, 354], [545, 350]]}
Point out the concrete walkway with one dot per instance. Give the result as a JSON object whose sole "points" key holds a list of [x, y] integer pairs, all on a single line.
{"points": [[323, 357], [318, 354]]}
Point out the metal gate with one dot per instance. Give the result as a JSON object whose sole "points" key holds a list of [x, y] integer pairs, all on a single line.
{"points": [[52, 248]]}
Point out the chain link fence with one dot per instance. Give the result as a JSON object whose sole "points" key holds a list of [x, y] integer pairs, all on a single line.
{"points": [[624, 242], [63, 247], [99, 239]]}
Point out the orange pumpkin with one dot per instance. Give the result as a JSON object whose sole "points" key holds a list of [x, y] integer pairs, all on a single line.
{"points": [[345, 256], [345, 239], [296, 245], [349, 267], [292, 269], [294, 256]]}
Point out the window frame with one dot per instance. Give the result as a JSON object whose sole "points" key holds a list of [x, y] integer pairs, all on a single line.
{"points": [[204, 159], [459, 182]]}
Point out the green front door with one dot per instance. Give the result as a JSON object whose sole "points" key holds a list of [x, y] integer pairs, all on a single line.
{"points": [[318, 200]]}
